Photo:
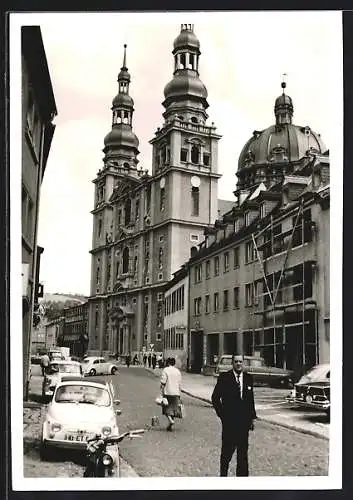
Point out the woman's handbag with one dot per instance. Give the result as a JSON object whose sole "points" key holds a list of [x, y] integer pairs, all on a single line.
{"points": [[180, 411]]}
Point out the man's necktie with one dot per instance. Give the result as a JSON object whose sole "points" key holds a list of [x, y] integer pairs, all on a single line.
{"points": [[238, 384]]}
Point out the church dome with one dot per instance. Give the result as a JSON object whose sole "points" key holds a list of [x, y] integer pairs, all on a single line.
{"points": [[186, 38], [294, 142], [123, 100], [121, 135], [183, 85]]}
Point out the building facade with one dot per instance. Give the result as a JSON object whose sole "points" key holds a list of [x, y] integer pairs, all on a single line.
{"points": [[75, 329], [175, 324], [259, 283], [38, 111], [53, 332], [145, 226]]}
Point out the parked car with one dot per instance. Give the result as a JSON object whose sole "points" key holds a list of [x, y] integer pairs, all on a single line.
{"points": [[55, 371], [271, 375], [92, 365], [80, 409], [313, 389]]}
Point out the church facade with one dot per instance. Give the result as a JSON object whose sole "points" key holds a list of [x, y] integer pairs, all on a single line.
{"points": [[146, 225]]}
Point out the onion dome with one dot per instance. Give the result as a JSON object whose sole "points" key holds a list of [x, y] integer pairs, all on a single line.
{"points": [[186, 38], [123, 100], [182, 85], [186, 84], [121, 136]]}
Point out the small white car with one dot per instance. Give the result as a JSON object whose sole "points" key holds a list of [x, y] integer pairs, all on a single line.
{"points": [[98, 366], [55, 371], [80, 409]]}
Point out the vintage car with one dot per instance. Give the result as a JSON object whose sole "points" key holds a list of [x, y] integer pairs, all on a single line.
{"points": [[262, 374], [55, 371], [313, 389], [80, 409], [94, 365]]}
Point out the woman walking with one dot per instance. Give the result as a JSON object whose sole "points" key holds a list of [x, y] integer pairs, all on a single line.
{"points": [[170, 389]]}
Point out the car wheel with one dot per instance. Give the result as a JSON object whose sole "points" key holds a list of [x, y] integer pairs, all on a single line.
{"points": [[92, 371], [45, 452], [113, 370]]}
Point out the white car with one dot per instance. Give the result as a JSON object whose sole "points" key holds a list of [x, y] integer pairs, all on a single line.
{"points": [[80, 409], [98, 366], [55, 371]]}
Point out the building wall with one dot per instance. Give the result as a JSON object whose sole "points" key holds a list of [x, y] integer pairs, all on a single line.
{"points": [[175, 323], [232, 328], [38, 110]]}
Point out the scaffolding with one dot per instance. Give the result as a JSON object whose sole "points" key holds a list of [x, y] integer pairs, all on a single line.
{"points": [[275, 288]]}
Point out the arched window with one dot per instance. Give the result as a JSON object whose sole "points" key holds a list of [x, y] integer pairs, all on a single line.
{"points": [[193, 251], [126, 165], [127, 212], [126, 260], [191, 61], [195, 153], [182, 61], [194, 119]]}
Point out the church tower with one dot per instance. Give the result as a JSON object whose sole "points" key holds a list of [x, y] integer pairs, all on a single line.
{"points": [[185, 163], [119, 169]]}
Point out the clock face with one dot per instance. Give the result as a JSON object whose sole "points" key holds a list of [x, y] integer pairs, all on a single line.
{"points": [[195, 181], [162, 182]]}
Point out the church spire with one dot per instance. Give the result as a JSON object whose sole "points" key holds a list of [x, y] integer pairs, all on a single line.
{"points": [[121, 136]]}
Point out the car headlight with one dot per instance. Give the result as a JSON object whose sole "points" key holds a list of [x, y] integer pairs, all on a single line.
{"points": [[55, 427], [107, 460], [106, 430]]}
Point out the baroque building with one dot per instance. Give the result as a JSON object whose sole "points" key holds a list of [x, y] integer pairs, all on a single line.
{"points": [[260, 281], [145, 226]]}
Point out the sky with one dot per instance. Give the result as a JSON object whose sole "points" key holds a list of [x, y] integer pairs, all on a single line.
{"points": [[243, 58]]}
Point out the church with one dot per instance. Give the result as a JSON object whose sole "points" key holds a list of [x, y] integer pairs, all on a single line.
{"points": [[147, 225]]}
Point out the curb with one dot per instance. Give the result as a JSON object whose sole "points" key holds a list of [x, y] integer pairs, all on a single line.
{"points": [[292, 427]]}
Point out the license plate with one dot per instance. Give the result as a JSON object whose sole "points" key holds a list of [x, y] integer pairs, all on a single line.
{"points": [[77, 437]]}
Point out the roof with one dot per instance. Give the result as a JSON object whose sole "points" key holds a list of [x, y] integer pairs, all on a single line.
{"points": [[64, 362], [86, 380], [224, 206]]}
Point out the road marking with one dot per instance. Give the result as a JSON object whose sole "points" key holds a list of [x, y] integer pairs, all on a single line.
{"points": [[267, 407]]}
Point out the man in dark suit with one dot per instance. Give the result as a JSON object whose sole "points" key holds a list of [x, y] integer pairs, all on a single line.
{"points": [[233, 400]]}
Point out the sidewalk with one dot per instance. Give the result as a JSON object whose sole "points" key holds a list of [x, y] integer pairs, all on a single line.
{"points": [[201, 387]]}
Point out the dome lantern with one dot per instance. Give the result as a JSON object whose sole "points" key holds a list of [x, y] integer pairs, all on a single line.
{"points": [[186, 84], [283, 107]]}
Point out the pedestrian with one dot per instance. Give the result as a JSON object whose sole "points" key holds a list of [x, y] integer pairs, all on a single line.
{"points": [[44, 363], [160, 360], [135, 361], [154, 360], [233, 400], [128, 359], [144, 360], [170, 389], [149, 358]]}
